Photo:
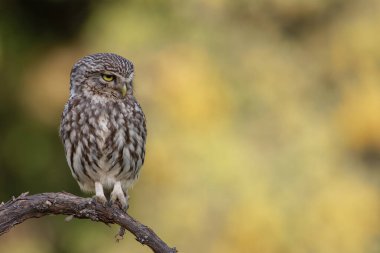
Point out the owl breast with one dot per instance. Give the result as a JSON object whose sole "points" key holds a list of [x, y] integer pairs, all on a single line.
{"points": [[104, 141]]}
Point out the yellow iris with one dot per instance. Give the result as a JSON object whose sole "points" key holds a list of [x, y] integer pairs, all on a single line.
{"points": [[108, 78]]}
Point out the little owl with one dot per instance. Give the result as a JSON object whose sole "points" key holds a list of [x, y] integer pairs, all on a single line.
{"points": [[103, 127]]}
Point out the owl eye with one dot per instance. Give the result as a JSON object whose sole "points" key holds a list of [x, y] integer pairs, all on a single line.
{"points": [[108, 78]]}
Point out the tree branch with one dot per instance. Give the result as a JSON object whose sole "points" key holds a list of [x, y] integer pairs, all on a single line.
{"points": [[25, 207]]}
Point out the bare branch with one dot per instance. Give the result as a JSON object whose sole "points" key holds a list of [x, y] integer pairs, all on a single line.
{"points": [[25, 207]]}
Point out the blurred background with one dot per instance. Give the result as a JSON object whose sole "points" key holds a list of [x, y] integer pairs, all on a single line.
{"points": [[263, 121]]}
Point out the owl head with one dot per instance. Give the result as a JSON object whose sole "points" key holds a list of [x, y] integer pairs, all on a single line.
{"points": [[103, 74]]}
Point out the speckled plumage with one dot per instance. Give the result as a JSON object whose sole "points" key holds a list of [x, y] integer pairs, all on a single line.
{"points": [[103, 132]]}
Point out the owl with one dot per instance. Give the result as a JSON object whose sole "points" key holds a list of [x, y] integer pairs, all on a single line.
{"points": [[103, 127]]}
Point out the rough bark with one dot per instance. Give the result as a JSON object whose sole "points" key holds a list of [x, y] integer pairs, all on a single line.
{"points": [[27, 206]]}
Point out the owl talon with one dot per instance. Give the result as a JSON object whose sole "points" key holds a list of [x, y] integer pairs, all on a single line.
{"points": [[100, 199], [119, 204], [99, 194], [118, 194]]}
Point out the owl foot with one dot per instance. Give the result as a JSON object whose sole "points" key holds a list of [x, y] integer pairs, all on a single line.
{"points": [[118, 194], [99, 194]]}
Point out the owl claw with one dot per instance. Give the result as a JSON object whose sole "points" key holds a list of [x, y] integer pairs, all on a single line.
{"points": [[99, 194], [122, 204], [118, 194], [100, 199]]}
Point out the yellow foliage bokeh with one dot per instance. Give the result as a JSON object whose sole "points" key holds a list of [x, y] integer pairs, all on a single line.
{"points": [[258, 128]]}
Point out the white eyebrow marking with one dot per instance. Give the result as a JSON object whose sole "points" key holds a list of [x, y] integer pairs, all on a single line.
{"points": [[130, 77]]}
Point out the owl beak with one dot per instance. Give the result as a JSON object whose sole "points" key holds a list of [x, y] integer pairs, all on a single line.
{"points": [[123, 89]]}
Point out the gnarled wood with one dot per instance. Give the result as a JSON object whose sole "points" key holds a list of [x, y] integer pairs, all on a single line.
{"points": [[25, 207]]}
